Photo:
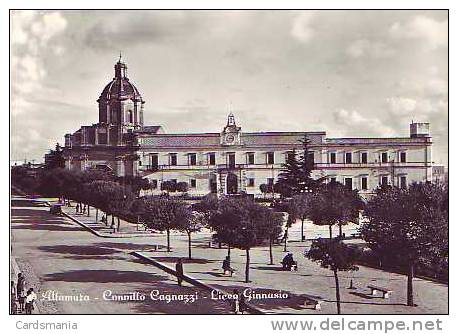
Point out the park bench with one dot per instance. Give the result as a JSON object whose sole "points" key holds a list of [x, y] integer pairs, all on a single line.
{"points": [[386, 292], [293, 266], [315, 301]]}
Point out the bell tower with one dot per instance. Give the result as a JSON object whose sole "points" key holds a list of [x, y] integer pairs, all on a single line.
{"points": [[231, 132]]}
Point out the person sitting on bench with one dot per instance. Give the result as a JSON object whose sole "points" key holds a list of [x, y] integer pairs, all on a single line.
{"points": [[227, 266], [288, 262]]}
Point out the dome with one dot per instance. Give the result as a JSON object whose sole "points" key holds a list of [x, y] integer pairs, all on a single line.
{"points": [[120, 87]]}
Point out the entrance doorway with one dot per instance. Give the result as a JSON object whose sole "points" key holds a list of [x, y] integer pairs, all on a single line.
{"points": [[231, 184]]}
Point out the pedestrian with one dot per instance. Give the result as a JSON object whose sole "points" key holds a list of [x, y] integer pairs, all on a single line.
{"points": [[242, 303], [77, 207], [227, 266], [28, 309], [13, 291], [179, 271], [235, 302], [29, 301], [113, 226], [13, 307], [20, 285]]}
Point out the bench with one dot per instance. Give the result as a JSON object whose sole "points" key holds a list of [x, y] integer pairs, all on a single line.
{"points": [[293, 266], [313, 300], [374, 289]]}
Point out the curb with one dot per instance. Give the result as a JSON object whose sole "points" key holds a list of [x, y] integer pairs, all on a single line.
{"points": [[90, 229], [191, 280]]}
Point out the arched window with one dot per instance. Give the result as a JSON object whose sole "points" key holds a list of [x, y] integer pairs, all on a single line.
{"points": [[130, 116]]}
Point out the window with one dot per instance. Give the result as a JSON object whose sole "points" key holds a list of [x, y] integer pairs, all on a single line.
{"points": [[192, 159], [192, 183], [384, 157], [403, 182], [154, 161], [364, 183], [349, 183], [384, 181], [173, 159], [403, 157], [332, 157], [364, 157], [250, 158], [348, 157], [231, 160], [270, 181], [153, 184], [211, 159], [270, 158], [130, 116], [139, 162], [333, 180], [250, 182]]}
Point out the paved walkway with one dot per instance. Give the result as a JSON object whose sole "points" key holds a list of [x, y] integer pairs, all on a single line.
{"points": [[98, 227], [310, 279]]}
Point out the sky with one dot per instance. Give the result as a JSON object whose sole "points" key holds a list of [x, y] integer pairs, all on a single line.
{"points": [[349, 73]]}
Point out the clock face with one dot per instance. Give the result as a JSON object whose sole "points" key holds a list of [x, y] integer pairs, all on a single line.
{"points": [[230, 138]]}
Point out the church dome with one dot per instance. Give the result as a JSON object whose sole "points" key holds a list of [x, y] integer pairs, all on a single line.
{"points": [[120, 88]]}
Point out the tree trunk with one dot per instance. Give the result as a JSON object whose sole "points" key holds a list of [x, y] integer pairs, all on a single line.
{"points": [[119, 224], [168, 240], [270, 252], [336, 278], [410, 274], [330, 231], [112, 221], [302, 230], [340, 230], [106, 219], [88, 207], [286, 240], [229, 250], [189, 246], [247, 266], [96, 215]]}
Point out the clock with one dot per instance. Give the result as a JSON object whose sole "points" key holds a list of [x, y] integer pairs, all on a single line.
{"points": [[230, 138]]}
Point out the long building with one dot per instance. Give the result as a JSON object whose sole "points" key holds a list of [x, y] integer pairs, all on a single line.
{"points": [[232, 161]]}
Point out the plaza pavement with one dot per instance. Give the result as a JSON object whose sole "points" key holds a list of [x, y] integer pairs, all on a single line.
{"points": [[310, 279], [56, 253]]}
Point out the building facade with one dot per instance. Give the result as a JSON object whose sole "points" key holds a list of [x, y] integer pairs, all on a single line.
{"points": [[232, 161]]}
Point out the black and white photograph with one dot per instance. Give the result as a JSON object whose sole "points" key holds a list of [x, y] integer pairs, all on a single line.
{"points": [[229, 162]]}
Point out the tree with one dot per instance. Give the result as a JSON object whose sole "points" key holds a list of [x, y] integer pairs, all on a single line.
{"points": [[273, 223], [239, 223], [168, 186], [266, 189], [181, 187], [306, 165], [290, 176], [164, 214], [408, 226], [334, 204], [299, 208], [135, 183], [55, 158], [194, 222], [333, 254]]}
